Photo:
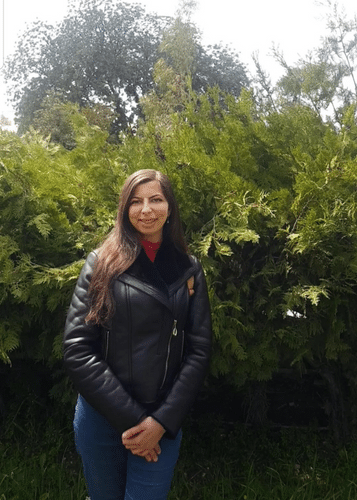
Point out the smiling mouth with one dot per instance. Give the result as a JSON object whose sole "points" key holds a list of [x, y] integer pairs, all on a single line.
{"points": [[147, 221]]}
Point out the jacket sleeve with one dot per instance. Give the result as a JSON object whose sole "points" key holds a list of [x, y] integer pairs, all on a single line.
{"points": [[83, 361], [198, 339]]}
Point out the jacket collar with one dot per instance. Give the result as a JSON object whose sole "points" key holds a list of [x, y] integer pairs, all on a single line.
{"points": [[163, 277]]}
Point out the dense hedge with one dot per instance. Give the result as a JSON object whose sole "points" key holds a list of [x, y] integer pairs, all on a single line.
{"points": [[269, 206]]}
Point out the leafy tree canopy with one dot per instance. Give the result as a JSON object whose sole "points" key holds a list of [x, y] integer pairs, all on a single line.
{"points": [[104, 52], [325, 79], [4, 122]]}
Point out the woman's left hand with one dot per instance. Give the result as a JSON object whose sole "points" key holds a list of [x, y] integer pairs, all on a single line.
{"points": [[144, 437]]}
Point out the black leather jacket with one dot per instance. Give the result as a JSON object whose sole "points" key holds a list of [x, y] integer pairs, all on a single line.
{"points": [[152, 358]]}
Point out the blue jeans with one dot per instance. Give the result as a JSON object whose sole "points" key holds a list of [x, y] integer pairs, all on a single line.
{"points": [[110, 470]]}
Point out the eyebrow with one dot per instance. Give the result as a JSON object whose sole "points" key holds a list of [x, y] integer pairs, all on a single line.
{"points": [[153, 196]]}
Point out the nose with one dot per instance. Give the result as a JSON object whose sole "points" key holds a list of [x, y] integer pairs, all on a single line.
{"points": [[146, 207]]}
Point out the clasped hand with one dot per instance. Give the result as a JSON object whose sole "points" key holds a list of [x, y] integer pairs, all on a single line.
{"points": [[143, 439]]}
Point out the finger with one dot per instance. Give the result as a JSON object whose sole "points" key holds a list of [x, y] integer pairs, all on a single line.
{"points": [[131, 447], [137, 442], [140, 453], [131, 433], [137, 439], [141, 444], [148, 456], [151, 457], [131, 444]]}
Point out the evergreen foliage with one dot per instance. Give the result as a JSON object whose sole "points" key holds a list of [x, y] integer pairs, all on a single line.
{"points": [[269, 205], [51, 216], [270, 209]]}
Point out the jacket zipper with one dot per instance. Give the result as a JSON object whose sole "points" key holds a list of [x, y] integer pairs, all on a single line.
{"points": [[130, 339], [173, 334], [174, 328], [107, 332]]}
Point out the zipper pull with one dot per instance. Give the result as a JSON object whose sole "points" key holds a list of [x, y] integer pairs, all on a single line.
{"points": [[174, 328]]}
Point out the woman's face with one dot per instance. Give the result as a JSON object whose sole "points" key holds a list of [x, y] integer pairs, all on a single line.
{"points": [[149, 210]]}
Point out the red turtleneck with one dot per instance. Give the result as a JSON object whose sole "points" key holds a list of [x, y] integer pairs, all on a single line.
{"points": [[150, 248]]}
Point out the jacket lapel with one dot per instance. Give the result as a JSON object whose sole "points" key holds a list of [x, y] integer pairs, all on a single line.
{"points": [[170, 265], [146, 288]]}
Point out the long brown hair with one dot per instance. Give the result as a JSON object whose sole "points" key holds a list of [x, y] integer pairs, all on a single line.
{"points": [[122, 246]]}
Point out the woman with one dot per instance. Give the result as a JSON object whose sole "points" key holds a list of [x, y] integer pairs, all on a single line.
{"points": [[136, 345]]}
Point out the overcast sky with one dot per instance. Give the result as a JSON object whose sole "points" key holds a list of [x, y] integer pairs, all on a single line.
{"points": [[249, 26]]}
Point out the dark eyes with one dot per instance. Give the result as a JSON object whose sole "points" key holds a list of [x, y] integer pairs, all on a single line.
{"points": [[154, 200]]}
